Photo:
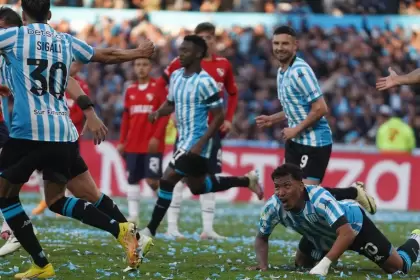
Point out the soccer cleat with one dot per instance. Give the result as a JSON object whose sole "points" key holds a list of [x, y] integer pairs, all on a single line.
{"points": [[174, 234], [254, 185], [40, 209], [37, 272], [415, 234], [127, 238], [363, 198], [145, 245], [146, 232], [212, 235], [11, 246]]}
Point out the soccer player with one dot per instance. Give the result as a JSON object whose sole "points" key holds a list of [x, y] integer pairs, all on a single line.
{"points": [[192, 94], [328, 227], [141, 142], [308, 136], [220, 69], [42, 135]]}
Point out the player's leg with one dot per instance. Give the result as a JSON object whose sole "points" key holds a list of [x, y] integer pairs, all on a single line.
{"points": [[42, 204], [306, 254], [208, 200], [172, 175], [373, 244], [135, 169], [153, 170], [18, 160], [314, 162]]}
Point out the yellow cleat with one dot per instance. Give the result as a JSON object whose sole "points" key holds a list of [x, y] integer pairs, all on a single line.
{"points": [[127, 238], [364, 199], [37, 272], [416, 232], [40, 208]]}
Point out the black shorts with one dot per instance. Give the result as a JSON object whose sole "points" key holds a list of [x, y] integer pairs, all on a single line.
{"points": [[142, 166], [188, 164], [20, 158], [215, 160], [4, 134], [370, 242], [79, 165], [312, 160]]}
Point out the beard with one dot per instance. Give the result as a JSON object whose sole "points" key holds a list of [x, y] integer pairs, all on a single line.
{"points": [[284, 58]]}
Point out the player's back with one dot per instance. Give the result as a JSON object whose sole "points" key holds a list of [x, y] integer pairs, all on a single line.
{"points": [[40, 59], [298, 88], [190, 95]]}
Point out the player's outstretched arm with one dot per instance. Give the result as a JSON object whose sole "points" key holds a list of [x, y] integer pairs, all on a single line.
{"points": [[113, 56], [267, 121], [394, 79]]}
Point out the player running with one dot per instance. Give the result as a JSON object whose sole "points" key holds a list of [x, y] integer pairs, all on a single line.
{"points": [[220, 69], [308, 136], [328, 227], [192, 94], [42, 135], [141, 142]]}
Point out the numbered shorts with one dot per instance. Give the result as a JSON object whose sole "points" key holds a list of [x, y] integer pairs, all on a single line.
{"points": [[189, 165], [20, 158], [142, 166], [370, 242], [312, 160]]}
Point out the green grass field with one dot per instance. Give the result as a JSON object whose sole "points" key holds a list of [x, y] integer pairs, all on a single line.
{"points": [[78, 251]]}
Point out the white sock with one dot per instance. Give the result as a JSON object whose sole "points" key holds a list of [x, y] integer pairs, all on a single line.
{"points": [[175, 207], [133, 198], [68, 193], [208, 204], [41, 186]]}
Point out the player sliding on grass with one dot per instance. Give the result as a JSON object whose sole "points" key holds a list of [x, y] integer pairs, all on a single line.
{"points": [[328, 227]]}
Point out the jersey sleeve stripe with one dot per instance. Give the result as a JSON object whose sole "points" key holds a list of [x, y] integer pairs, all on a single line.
{"points": [[84, 51], [8, 38], [333, 210]]}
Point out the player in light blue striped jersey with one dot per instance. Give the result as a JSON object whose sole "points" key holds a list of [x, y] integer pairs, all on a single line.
{"points": [[192, 94], [42, 134], [328, 227]]}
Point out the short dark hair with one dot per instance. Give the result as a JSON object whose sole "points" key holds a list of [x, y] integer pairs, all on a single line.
{"points": [[284, 29], [37, 9], [205, 27], [198, 42], [288, 169], [10, 17]]}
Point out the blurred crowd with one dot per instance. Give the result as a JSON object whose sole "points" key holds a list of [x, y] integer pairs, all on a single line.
{"points": [[347, 63]]}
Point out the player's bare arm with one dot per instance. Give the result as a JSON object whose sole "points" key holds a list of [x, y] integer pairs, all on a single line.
{"points": [[345, 237], [318, 109], [267, 121], [166, 109], [261, 251], [218, 118], [93, 122], [394, 79], [114, 56]]}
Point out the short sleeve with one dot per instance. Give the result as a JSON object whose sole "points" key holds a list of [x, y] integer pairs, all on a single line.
{"points": [[8, 38], [82, 51], [307, 83], [269, 219], [209, 92], [328, 207]]}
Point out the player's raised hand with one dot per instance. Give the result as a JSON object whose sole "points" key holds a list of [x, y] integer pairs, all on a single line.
{"points": [[385, 83], [257, 268], [96, 126], [264, 121], [146, 48], [152, 117], [4, 91]]}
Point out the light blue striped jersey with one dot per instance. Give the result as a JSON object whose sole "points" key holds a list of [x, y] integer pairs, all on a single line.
{"points": [[297, 88], [315, 221], [5, 80], [193, 97], [40, 60]]}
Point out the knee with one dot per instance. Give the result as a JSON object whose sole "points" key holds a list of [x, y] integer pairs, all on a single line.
{"points": [[153, 183], [196, 191]]}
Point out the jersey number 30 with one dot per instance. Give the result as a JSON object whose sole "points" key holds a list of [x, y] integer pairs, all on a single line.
{"points": [[51, 86]]}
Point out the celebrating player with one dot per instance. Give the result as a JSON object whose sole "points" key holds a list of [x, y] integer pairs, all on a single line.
{"points": [[192, 94], [220, 69], [328, 227], [42, 135], [308, 136], [141, 142]]}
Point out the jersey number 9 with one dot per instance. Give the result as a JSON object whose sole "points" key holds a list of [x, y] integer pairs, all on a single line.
{"points": [[51, 86]]}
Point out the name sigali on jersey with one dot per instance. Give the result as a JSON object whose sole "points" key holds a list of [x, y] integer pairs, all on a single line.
{"points": [[48, 47]]}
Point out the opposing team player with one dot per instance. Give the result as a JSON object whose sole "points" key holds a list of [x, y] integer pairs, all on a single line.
{"points": [[77, 117], [141, 142], [220, 69], [42, 135], [308, 136], [328, 227], [192, 94]]}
